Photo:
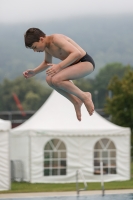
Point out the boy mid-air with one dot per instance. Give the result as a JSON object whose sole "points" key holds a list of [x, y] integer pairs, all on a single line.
{"points": [[75, 63]]}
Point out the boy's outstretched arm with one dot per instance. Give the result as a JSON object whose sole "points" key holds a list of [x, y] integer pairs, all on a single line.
{"points": [[43, 66]]}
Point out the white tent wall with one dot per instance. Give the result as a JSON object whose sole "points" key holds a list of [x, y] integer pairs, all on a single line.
{"points": [[80, 155], [5, 127], [20, 151]]}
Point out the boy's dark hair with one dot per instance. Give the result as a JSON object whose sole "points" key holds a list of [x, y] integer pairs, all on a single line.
{"points": [[32, 35]]}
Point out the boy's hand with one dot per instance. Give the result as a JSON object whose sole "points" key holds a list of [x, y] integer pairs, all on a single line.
{"points": [[55, 68], [29, 73]]}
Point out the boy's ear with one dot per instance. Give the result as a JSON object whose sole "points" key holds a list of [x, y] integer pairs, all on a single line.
{"points": [[41, 39]]}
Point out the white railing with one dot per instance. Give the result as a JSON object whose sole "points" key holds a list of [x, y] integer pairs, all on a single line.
{"points": [[79, 172], [102, 179]]}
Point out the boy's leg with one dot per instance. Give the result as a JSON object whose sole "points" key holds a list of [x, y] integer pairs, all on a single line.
{"points": [[74, 100], [76, 71]]}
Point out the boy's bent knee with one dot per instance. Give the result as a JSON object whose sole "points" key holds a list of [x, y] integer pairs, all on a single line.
{"points": [[49, 80], [55, 81]]}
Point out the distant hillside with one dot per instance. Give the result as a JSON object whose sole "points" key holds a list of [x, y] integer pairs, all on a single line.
{"points": [[107, 39]]}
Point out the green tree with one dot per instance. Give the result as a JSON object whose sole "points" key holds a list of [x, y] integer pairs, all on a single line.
{"points": [[103, 78], [31, 93], [120, 105], [84, 84]]}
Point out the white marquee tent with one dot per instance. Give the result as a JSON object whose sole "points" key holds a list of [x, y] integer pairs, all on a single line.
{"points": [[53, 144], [5, 127]]}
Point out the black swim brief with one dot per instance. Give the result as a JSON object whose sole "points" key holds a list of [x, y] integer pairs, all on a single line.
{"points": [[88, 59]]}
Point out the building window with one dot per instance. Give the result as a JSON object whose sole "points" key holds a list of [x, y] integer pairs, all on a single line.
{"points": [[55, 160], [105, 151]]}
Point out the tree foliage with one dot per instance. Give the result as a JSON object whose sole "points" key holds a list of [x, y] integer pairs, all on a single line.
{"points": [[84, 84], [103, 78], [31, 93], [120, 106]]}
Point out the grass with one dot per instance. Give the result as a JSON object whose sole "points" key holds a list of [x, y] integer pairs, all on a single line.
{"points": [[24, 187], [132, 169]]}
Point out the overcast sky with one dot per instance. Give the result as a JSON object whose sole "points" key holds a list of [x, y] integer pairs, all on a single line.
{"points": [[14, 11]]}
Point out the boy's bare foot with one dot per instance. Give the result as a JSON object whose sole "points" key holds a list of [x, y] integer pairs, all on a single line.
{"points": [[88, 103], [77, 106]]}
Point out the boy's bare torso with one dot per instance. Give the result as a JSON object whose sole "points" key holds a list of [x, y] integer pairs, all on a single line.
{"points": [[57, 49]]}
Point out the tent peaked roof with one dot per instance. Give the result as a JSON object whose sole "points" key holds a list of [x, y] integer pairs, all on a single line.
{"points": [[5, 125], [58, 114]]}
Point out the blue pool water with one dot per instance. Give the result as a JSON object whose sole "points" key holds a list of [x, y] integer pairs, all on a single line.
{"points": [[90, 197]]}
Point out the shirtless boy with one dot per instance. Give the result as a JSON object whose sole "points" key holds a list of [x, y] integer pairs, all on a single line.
{"points": [[75, 63]]}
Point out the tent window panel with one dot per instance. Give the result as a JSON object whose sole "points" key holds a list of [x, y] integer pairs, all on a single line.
{"points": [[112, 170], [96, 162], [97, 171], [46, 172], [54, 172], [63, 163], [113, 154], [98, 145], [113, 163], [106, 170], [105, 151], [96, 154], [105, 141], [61, 146], [55, 154], [55, 142], [63, 172], [46, 155], [55, 162], [63, 154], [105, 162], [48, 146], [47, 163], [111, 146], [104, 154]]}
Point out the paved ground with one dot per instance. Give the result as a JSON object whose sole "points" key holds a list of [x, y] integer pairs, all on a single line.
{"points": [[56, 194]]}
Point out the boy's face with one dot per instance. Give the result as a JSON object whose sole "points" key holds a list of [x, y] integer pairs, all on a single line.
{"points": [[39, 46]]}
